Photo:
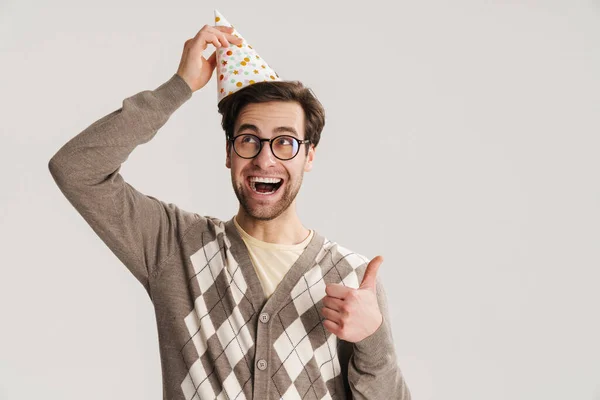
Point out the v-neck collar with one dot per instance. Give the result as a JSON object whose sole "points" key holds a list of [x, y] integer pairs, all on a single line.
{"points": [[282, 291]]}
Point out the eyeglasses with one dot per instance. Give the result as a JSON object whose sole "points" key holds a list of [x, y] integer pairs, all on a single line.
{"points": [[284, 147]]}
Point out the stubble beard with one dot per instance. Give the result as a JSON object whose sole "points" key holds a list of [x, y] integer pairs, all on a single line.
{"points": [[268, 212]]}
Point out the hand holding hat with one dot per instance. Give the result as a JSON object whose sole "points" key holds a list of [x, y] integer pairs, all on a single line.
{"points": [[193, 67]]}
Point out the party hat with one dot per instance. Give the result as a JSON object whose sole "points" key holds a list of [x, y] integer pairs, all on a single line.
{"points": [[239, 65]]}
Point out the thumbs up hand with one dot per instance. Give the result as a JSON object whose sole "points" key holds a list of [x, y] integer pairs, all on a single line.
{"points": [[353, 314]]}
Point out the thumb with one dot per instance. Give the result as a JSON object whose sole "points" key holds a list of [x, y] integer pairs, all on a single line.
{"points": [[370, 277], [212, 60]]}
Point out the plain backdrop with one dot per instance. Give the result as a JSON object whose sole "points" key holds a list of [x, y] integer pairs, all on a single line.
{"points": [[461, 143]]}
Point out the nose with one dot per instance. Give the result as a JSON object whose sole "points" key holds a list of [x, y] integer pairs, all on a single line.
{"points": [[265, 157]]}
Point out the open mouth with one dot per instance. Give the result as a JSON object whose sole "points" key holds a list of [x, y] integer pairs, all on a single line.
{"points": [[264, 186]]}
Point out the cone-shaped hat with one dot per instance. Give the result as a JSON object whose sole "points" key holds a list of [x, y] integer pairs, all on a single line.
{"points": [[239, 65]]}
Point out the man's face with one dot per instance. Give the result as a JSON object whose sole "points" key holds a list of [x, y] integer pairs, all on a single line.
{"points": [[268, 120]]}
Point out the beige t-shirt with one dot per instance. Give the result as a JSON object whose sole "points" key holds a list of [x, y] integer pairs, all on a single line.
{"points": [[271, 260]]}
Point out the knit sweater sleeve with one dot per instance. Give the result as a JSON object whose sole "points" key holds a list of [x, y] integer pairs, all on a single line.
{"points": [[139, 229], [373, 370]]}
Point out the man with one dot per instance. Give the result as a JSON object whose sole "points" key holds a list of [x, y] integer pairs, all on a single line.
{"points": [[257, 307]]}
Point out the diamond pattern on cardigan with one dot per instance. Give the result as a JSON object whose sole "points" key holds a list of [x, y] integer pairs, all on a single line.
{"points": [[220, 337], [307, 351]]}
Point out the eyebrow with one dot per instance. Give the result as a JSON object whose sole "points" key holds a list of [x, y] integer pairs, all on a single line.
{"points": [[279, 129]]}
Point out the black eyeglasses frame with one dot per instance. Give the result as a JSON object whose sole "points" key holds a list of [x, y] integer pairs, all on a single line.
{"points": [[232, 140]]}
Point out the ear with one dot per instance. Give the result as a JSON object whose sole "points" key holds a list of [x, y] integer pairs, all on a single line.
{"points": [[309, 159], [227, 155]]}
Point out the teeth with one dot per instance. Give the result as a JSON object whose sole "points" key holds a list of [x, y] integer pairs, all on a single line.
{"points": [[254, 179], [264, 180]]}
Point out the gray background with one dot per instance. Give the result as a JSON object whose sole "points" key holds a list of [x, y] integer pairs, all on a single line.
{"points": [[461, 144]]}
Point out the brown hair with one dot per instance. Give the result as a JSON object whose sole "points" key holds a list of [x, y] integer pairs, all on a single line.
{"points": [[260, 92]]}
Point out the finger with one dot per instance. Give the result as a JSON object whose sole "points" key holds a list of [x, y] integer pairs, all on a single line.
{"points": [[215, 29], [331, 315], [228, 29], [332, 327], [236, 40], [200, 42], [233, 38], [205, 29], [218, 36], [212, 60], [227, 38], [207, 35], [370, 277], [333, 303], [215, 40], [338, 291], [186, 49], [229, 35], [223, 38], [222, 30]]}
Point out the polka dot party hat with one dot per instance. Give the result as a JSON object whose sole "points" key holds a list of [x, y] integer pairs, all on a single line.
{"points": [[239, 65]]}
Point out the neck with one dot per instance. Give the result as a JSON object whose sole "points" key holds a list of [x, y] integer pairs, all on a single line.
{"points": [[285, 229]]}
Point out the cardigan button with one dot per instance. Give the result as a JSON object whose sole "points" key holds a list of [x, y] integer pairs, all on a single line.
{"points": [[264, 318], [262, 364]]}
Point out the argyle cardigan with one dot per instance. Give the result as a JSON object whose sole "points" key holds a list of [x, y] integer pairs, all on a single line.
{"points": [[219, 336]]}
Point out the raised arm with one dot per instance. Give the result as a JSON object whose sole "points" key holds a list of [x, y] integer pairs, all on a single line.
{"points": [[139, 229]]}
